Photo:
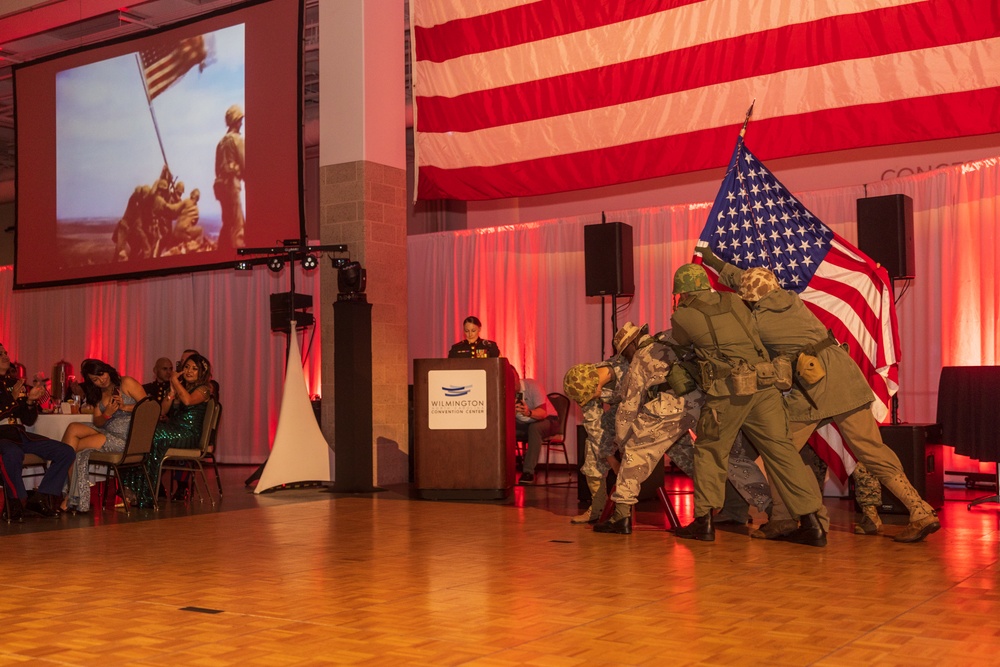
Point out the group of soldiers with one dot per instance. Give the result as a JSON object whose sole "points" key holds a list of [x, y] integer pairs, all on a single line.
{"points": [[738, 375], [159, 221]]}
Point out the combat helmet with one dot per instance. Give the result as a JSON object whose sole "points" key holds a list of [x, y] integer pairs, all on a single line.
{"points": [[233, 114], [581, 382], [757, 283], [691, 278]]}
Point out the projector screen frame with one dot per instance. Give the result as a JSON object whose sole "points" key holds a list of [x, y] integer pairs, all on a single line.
{"points": [[115, 271]]}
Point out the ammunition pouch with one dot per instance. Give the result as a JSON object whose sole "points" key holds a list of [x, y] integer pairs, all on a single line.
{"points": [[744, 379], [782, 373]]}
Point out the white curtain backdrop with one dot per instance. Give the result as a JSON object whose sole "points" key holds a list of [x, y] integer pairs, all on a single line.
{"points": [[225, 315], [526, 282]]}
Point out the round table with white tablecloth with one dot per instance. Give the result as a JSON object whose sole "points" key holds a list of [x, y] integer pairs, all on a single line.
{"points": [[54, 425]]}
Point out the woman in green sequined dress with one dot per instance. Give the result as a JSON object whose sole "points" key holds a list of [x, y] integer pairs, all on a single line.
{"points": [[184, 408]]}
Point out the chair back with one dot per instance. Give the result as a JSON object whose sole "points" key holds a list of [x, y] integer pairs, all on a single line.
{"points": [[145, 417], [561, 403], [215, 428], [207, 424]]}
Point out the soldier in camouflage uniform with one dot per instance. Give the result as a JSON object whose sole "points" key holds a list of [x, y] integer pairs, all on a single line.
{"points": [[839, 393], [650, 418], [721, 330], [594, 386]]}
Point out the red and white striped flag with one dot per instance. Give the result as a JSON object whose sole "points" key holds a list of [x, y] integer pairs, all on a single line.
{"points": [[163, 68], [526, 97], [756, 221]]}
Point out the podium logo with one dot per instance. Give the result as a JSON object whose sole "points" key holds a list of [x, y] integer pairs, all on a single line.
{"points": [[456, 399]]}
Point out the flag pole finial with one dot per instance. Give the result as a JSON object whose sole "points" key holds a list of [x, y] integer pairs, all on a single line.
{"points": [[743, 130]]}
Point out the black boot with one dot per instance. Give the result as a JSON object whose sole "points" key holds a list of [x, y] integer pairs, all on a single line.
{"points": [[39, 504], [620, 522], [702, 528], [809, 532]]}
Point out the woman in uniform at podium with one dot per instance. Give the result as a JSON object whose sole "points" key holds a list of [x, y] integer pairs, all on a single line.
{"points": [[473, 347]]}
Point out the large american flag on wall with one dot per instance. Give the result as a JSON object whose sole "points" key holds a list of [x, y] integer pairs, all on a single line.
{"points": [[525, 97], [756, 221]]}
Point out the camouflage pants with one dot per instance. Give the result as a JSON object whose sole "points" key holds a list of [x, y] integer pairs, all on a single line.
{"points": [[600, 444], [867, 490], [742, 472], [643, 451]]}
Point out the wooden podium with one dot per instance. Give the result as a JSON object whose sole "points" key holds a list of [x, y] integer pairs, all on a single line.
{"points": [[463, 422]]}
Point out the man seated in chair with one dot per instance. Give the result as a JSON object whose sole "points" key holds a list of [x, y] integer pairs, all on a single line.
{"points": [[650, 419], [18, 407], [536, 420]]}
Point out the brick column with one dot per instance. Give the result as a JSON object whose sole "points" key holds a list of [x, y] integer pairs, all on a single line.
{"points": [[362, 195]]}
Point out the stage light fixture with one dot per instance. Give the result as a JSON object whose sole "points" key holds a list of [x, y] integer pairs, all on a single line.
{"points": [[351, 282], [244, 265], [276, 264], [310, 262]]}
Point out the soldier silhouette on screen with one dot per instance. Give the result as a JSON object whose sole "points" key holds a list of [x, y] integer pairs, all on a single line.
{"points": [[130, 235], [229, 180]]}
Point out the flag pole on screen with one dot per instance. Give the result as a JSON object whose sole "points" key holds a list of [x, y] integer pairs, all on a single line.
{"points": [[756, 221], [149, 103]]}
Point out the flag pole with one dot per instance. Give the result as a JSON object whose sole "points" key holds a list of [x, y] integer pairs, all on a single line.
{"points": [[149, 103], [743, 130]]}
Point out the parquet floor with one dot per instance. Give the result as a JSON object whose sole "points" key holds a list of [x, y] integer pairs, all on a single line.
{"points": [[305, 577]]}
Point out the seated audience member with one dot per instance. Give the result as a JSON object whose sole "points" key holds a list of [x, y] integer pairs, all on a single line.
{"points": [[473, 347], [17, 409], [184, 407], [160, 387], [114, 397], [180, 364], [535, 420]]}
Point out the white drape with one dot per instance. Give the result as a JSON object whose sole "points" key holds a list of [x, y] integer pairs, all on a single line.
{"points": [[225, 315], [526, 282]]}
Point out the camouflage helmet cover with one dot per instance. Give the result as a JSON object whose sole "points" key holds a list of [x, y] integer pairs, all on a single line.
{"points": [[691, 278], [757, 283], [581, 383]]}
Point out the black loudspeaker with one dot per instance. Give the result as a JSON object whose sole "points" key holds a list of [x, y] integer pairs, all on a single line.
{"points": [[885, 233], [919, 452], [607, 258]]}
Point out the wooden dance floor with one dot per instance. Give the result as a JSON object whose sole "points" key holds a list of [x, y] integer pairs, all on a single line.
{"points": [[306, 577]]}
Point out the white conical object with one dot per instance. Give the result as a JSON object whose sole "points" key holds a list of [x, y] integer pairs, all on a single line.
{"points": [[300, 453]]}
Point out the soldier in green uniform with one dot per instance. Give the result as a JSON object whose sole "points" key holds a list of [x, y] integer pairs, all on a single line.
{"points": [[721, 330], [839, 392], [229, 174]]}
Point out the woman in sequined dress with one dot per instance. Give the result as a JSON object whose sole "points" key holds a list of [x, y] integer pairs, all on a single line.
{"points": [[184, 407], [115, 397]]}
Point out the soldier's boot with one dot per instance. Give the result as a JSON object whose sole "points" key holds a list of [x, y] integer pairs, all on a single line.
{"points": [[701, 529], [870, 522], [620, 522], [923, 518], [810, 532], [599, 498]]}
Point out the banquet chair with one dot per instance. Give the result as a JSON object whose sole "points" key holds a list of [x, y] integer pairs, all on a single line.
{"points": [[138, 444], [557, 439], [190, 460], [209, 457]]}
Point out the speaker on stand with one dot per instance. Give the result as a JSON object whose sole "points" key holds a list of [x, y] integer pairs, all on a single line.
{"points": [[607, 258], [885, 234]]}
